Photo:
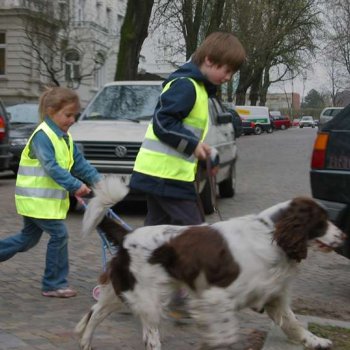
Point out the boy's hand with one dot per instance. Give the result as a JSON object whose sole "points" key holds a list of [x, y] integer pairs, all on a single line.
{"points": [[202, 151], [82, 191]]}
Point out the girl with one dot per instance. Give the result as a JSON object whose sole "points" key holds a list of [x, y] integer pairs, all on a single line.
{"points": [[50, 168]]}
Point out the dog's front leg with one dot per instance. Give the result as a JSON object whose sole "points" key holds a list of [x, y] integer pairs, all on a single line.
{"points": [[280, 312]]}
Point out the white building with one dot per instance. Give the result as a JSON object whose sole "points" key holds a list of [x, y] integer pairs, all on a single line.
{"points": [[85, 57]]}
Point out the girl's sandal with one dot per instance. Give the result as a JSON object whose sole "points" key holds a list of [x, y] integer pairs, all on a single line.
{"points": [[60, 293]]}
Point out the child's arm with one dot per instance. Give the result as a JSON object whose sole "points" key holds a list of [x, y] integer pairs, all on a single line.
{"points": [[83, 169], [42, 149]]}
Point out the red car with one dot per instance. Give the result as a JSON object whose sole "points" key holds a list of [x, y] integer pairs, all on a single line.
{"points": [[280, 122], [295, 122]]}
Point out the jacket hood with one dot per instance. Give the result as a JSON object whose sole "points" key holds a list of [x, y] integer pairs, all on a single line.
{"points": [[191, 70]]}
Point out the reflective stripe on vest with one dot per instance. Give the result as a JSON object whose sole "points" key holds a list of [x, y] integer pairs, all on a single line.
{"points": [[158, 159], [37, 194]]}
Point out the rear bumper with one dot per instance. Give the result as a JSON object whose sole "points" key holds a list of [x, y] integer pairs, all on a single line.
{"points": [[336, 211]]}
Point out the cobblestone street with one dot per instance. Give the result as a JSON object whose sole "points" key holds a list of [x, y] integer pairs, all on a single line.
{"points": [[266, 174]]}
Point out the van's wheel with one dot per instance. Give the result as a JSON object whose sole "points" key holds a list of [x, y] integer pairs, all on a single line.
{"points": [[227, 188], [257, 130], [205, 196], [269, 130], [283, 127]]}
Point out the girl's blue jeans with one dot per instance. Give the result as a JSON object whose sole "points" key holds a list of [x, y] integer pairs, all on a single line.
{"points": [[57, 265]]}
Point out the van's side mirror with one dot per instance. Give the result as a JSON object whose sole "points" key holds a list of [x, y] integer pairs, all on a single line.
{"points": [[224, 118]]}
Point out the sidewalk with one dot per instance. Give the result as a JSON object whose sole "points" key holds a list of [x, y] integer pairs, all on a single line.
{"points": [[276, 340]]}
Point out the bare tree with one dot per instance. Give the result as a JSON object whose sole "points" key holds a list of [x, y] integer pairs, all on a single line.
{"points": [[272, 33], [336, 50], [51, 37]]}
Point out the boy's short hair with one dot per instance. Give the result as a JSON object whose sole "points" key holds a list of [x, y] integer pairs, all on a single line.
{"points": [[221, 48]]}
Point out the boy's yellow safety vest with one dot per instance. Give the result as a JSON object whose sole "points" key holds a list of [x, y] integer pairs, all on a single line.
{"points": [[158, 159], [37, 194]]}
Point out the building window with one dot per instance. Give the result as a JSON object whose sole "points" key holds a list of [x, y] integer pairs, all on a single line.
{"points": [[72, 61], [100, 72], [2, 53], [62, 10], [98, 12], [80, 11], [109, 19]]}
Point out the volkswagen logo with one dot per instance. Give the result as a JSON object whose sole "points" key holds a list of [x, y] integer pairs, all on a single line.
{"points": [[120, 151]]}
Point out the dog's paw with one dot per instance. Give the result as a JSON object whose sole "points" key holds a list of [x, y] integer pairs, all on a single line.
{"points": [[317, 343]]}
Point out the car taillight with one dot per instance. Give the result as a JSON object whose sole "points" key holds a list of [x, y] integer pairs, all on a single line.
{"points": [[252, 124], [318, 160], [2, 127]]}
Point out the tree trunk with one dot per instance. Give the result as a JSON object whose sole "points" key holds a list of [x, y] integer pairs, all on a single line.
{"points": [[254, 92], [133, 33]]}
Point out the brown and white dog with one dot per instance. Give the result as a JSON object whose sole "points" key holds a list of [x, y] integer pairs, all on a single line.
{"points": [[243, 262]]}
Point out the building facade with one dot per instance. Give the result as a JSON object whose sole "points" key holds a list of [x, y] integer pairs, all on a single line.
{"points": [[72, 43]]}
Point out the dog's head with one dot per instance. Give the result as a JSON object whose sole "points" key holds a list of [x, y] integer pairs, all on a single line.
{"points": [[302, 222]]}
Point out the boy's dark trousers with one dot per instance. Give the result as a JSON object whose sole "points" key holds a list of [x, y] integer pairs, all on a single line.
{"points": [[172, 211]]}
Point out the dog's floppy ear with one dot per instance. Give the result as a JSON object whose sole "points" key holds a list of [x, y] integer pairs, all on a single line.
{"points": [[303, 220]]}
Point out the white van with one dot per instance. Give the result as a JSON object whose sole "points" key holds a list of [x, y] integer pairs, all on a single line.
{"points": [[257, 116], [328, 113]]}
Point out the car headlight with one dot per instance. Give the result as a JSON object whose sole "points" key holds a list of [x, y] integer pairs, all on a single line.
{"points": [[19, 142]]}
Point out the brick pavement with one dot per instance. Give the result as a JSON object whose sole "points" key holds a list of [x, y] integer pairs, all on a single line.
{"points": [[30, 321]]}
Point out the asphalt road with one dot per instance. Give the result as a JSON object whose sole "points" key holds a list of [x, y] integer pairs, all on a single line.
{"points": [[271, 168]]}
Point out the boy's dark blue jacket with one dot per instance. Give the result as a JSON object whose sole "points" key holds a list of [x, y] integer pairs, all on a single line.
{"points": [[173, 106]]}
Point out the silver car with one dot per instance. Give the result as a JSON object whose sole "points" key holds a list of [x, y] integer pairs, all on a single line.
{"points": [[112, 127], [307, 120]]}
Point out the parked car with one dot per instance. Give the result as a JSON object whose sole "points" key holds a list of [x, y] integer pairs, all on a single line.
{"points": [[295, 122], [307, 120], [256, 117], [5, 155], [280, 122], [112, 127], [328, 113], [330, 172], [236, 120], [24, 118]]}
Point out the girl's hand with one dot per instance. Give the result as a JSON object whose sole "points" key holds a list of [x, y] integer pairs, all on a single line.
{"points": [[202, 151], [82, 191]]}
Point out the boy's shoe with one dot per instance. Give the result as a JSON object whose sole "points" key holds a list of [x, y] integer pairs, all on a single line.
{"points": [[60, 293]]}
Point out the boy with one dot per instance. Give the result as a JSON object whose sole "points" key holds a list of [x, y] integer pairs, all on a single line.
{"points": [[166, 164]]}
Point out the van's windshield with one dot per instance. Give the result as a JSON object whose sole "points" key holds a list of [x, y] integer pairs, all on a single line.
{"points": [[129, 102]]}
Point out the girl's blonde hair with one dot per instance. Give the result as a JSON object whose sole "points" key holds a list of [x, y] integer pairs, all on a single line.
{"points": [[221, 48], [56, 98]]}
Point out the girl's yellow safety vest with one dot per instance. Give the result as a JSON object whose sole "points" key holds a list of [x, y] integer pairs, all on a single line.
{"points": [[37, 194], [158, 159]]}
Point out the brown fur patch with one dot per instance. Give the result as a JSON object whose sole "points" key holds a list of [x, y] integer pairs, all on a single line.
{"points": [[199, 249]]}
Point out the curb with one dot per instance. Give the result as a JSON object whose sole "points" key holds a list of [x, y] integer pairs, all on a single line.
{"points": [[277, 340]]}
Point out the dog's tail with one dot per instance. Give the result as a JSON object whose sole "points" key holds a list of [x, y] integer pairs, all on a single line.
{"points": [[107, 192]]}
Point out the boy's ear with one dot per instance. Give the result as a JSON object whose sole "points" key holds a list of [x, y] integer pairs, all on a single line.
{"points": [[208, 62]]}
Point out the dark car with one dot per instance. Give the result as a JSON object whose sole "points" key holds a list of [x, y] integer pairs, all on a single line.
{"points": [[24, 118], [5, 154], [236, 121], [330, 172]]}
